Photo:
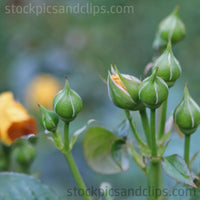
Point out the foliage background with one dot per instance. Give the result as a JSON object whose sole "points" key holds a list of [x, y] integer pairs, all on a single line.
{"points": [[82, 47]]}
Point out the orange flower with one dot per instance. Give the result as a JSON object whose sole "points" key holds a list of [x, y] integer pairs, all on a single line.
{"points": [[42, 90], [15, 121]]}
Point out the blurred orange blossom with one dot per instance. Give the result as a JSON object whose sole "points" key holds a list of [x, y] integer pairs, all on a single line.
{"points": [[15, 121], [42, 90]]}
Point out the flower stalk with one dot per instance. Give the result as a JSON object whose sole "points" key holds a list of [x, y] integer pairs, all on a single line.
{"points": [[187, 149], [162, 119], [153, 133], [155, 171], [145, 124], [72, 165], [76, 174], [66, 136], [138, 138]]}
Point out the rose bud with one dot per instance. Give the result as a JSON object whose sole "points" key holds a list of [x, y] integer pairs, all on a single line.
{"points": [[169, 68], [49, 119], [172, 27], [153, 91], [123, 90], [25, 153], [67, 103], [187, 114]]}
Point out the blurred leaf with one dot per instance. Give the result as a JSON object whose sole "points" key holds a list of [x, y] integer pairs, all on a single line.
{"points": [[14, 186], [183, 192], [78, 132], [169, 124], [55, 139], [123, 128], [168, 131], [177, 169], [119, 152], [162, 149], [193, 157], [164, 138], [145, 150], [103, 151], [195, 163], [139, 159]]}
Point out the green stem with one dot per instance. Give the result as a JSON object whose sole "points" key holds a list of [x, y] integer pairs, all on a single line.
{"points": [[140, 141], [187, 149], [145, 124], [155, 171], [72, 165], [155, 179], [66, 136], [162, 120], [77, 175], [153, 133]]}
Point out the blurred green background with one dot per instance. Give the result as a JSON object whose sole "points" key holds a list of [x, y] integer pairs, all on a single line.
{"points": [[83, 47]]}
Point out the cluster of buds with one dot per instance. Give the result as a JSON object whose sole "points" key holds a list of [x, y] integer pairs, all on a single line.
{"points": [[128, 92], [67, 104]]}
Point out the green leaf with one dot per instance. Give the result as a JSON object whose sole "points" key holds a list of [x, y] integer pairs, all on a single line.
{"points": [[78, 132], [177, 169], [119, 151], [14, 186], [102, 152], [183, 192]]}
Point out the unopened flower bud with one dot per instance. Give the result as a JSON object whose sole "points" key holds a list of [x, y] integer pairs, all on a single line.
{"points": [[123, 90], [169, 68], [172, 27], [49, 119], [187, 114], [153, 91], [25, 153], [67, 103]]}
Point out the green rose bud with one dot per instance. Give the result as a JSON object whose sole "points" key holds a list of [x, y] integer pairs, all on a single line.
{"points": [[67, 103], [187, 114], [172, 27], [24, 154], [49, 119], [123, 90], [169, 68], [153, 91]]}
